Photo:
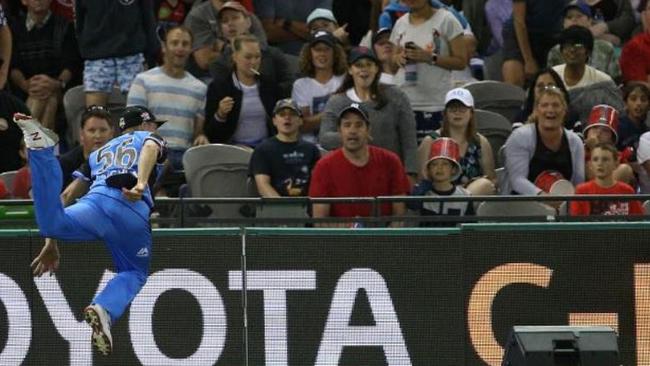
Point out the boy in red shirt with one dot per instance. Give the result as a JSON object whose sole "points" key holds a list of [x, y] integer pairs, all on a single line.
{"points": [[604, 160]]}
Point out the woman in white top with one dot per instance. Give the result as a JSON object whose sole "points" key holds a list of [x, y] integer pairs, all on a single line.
{"points": [[323, 62]]}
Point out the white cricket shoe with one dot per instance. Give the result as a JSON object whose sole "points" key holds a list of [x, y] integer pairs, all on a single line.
{"points": [[98, 319], [36, 136]]}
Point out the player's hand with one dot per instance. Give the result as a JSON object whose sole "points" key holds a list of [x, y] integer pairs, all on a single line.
{"points": [[47, 260], [134, 194]]}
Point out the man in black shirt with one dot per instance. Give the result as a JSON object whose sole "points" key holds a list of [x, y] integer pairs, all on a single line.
{"points": [[282, 164]]}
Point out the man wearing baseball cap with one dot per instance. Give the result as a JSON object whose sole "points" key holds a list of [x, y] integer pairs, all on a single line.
{"points": [[357, 169], [208, 42], [281, 165], [323, 20]]}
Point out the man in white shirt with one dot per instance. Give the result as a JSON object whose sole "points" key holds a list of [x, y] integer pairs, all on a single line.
{"points": [[576, 44]]}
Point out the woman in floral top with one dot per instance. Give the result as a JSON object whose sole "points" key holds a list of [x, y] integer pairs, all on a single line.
{"points": [[477, 159]]}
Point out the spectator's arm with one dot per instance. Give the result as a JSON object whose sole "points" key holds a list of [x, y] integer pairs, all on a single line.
{"points": [[487, 159], [398, 209], [5, 54], [577, 153], [137, 93], [407, 135], [423, 155], [264, 187], [328, 136], [519, 154], [199, 135], [18, 78]]}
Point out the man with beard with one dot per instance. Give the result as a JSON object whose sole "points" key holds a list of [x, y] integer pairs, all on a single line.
{"points": [[357, 169], [172, 94]]}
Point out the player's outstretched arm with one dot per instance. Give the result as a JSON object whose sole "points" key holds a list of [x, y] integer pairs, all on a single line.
{"points": [[148, 157], [47, 260]]}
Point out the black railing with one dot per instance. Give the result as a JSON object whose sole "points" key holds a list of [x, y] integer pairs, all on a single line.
{"points": [[293, 211]]}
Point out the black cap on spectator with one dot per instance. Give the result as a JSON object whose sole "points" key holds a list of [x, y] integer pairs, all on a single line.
{"points": [[136, 115], [576, 34], [323, 36], [360, 52], [286, 103], [380, 32], [357, 108]]}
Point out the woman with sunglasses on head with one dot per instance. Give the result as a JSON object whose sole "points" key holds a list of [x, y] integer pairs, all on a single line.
{"points": [[544, 145], [392, 125], [546, 77], [476, 156]]}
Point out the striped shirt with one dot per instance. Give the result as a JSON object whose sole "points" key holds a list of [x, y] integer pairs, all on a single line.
{"points": [[178, 101]]}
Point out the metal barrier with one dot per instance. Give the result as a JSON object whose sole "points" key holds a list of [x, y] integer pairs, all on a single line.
{"points": [[200, 212]]}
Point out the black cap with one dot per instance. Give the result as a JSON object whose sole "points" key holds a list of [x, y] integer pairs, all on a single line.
{"points": [[357, 108], [286, 103], [358, 53], [135, 115], [576, 34], [380, 32], [323, 36]]}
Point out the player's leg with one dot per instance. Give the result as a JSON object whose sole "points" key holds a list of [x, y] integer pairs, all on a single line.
{"points": [[53, 221], [128, 238]]}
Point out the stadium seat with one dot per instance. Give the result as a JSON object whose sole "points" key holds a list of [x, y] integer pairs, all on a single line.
{"points": [[219, 170], [8, 179], [496, 130], [74, 104], [499, 97]]}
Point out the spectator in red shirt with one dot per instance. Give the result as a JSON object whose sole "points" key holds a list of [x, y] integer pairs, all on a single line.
{"points": [[357, 170], [604, 160], [635, 56]]}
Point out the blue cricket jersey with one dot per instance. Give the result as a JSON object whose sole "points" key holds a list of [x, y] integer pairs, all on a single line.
{"points": [[119, 157]]}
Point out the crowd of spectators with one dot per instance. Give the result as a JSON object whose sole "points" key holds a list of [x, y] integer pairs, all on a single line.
{"points": [[340, 98]]}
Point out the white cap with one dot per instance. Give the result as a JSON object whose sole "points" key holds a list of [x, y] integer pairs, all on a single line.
{"points": [[320, 13], [643, 151], [461, 94]]}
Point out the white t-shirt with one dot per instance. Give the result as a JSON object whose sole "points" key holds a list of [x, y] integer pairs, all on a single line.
{"points": [[427, 94], [591, 76], [309, 92]]}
